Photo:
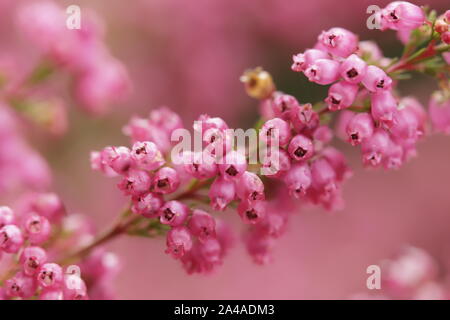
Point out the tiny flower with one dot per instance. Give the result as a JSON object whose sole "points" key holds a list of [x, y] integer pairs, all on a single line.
{"points": [[439, 109], [323, 71], [147, 205], [337, 160], [136, 183], [205, 122], [339, 42], [37, 228], [202, 225], [323, 176], [359, 128], [304, 60], [74, 288], [6, 216], [298, 179], [166, 180], [323, 135], [222, 192], [32, 258], [249, 187], [259, 246], [375, 147], [165, 119], [283, 104], [406, 124], [301, 148], [376, 80], [233, 165], [353, 69], [384, 107], [118, 159], [304, 118], [252, 212], [393, 158], [275, 129], [50, 275], [146, 155], [48, 205], [179, 241], [173, 213], [445, 37], [276, 165], [21, 286], [341, 95], [402, 15], [200, 165], [11, 238]]}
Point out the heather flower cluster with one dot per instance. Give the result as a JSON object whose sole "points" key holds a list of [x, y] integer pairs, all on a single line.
{"points": [[46, 253], [32, 240]]}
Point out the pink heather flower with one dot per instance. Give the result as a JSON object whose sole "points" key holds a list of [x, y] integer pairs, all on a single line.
{"points": [[6, 216], [283, 104], [173, 213], [414, 106], [393, 158], [179, 241], [301, 148], [323, 135], [400, 15], [21, 286], [202, 225], [98, 163], [117, 158], [275, 129], [37, 228], [259, 246], [165, 119], [218, 142], [205, 122], [136, 183], [274, 223], [51, 294], [100, 265], [146, 155], [32, 258], [249, 187], [337, 160], [371, 50], [199, 165], [445, 37], [48, 205], [298, 179], [105, 82], [376, 80], [50, 275], [374, 148], [147, 205], [304, 118], [339, 42], [276, 170], [221, 192], [341, 95], [439, 109], [323, 71], [252, 212], [446, 56], [304, 60], [406, 124], [11, 238], [166, 180], [323, 176], [384, 107], [359, 128], [234, 165], [74, 288], [353, 69], [447, 16]]}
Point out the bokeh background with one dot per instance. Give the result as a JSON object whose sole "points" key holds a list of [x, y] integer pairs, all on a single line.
{"points": [[189, 55]]}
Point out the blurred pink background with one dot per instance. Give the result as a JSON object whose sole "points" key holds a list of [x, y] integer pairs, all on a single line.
{"points": [[189, 55]]}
